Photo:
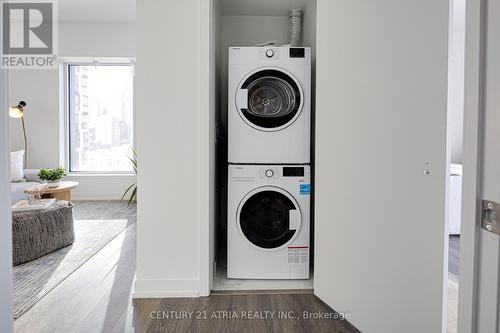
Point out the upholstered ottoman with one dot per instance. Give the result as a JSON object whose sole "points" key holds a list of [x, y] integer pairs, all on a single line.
{"points": [[38, 232]]}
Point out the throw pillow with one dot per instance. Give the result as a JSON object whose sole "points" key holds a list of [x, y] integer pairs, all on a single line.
{"points": [[16, 166]]}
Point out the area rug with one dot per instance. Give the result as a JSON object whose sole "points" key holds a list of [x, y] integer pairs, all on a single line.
{"points": [[34, 279]]}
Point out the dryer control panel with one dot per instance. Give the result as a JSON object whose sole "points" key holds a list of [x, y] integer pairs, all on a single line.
{"points": [[270, 53], [274, 52], [297, 52]]}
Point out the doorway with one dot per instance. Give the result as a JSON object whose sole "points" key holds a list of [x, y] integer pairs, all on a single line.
{"points": [[237, 24], [456, 89]]}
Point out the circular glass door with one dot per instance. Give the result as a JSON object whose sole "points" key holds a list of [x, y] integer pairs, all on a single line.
{"points": [[273, 100], [264, 218]]}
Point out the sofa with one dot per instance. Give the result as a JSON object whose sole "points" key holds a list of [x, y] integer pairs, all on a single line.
{"points": [[17, 188]]}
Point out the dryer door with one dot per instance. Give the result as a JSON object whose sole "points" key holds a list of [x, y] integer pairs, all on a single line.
{"points": [[269, 99], [269, 218]]}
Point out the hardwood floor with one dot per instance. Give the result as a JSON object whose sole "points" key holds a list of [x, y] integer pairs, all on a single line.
{"points": [[453, 269], [95, 298], [237, 313]]}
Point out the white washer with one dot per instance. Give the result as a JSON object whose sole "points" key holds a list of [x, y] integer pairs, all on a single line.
{"points": [[269, 105], [268, 221]]}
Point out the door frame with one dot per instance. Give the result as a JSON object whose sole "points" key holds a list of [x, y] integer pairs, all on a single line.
{"points": [[471, 186], [6, 288], [471, 195], [207, 188]]}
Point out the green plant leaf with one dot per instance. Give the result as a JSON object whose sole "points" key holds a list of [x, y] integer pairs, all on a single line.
{"points": [[126, 191], [52, 174], [132, 197], [133, 187]]}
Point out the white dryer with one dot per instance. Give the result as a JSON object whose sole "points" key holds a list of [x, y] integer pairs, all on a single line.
{"points": [[269, 105], [268, 221]]}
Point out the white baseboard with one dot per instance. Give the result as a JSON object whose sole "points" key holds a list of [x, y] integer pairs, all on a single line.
{"points": [[96, 196], [155, 288], [100, 187]]}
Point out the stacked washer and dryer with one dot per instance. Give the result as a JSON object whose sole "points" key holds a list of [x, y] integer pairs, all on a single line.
{"points": [[269, 120]]}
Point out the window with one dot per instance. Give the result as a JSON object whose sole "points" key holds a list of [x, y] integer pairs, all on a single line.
{"points": [[100, 119]]}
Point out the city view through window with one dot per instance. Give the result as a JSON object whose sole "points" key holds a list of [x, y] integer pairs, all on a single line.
{"points": [[100, 118]]}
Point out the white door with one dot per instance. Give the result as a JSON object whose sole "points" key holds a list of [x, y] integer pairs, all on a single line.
{"points": [[380, 203], [488, 320]]}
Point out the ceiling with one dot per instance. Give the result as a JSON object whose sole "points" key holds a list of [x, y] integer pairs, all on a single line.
{"points": [[261, 7], [108, 11], [104, 11]]}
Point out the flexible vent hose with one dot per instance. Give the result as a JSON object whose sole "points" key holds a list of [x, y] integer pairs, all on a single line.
{"points": [[295, 26]]}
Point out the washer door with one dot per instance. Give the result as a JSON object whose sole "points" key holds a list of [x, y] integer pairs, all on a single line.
{"points": [[269, 217], [269, 99]]}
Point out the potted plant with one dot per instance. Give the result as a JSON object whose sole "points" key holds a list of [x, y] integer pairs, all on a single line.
{"points": [[52, 176]]}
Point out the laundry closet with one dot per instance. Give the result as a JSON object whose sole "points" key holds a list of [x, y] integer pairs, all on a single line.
{"points": [[263, 72]]}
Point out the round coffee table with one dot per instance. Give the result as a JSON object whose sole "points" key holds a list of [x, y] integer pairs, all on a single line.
{"points": [[60, 192]]}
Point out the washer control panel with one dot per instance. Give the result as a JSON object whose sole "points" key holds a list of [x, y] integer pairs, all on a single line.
{"points": [[295, 171], [269, 172], [281, 171]]}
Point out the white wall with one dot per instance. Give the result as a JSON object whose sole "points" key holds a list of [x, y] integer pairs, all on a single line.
{"points": [[5, 214], [456, 79], [168, 141], [41, 88], [97, 39]]}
